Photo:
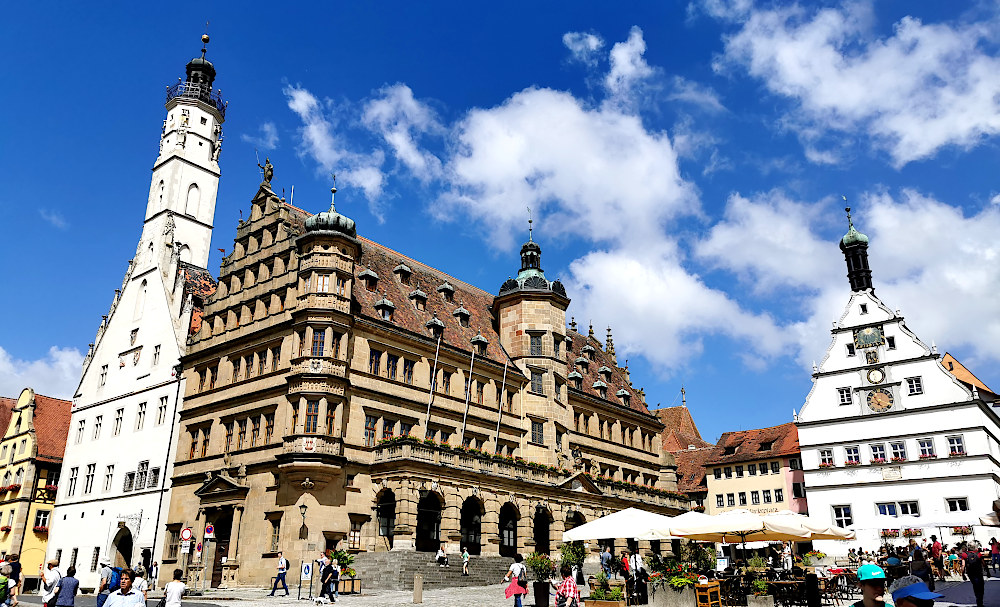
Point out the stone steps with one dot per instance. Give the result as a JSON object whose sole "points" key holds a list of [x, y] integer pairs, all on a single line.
{"points": [[395, 570]]}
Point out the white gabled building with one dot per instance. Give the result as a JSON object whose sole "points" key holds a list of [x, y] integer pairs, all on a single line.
{"points": [[114, 489], [888, 432]]}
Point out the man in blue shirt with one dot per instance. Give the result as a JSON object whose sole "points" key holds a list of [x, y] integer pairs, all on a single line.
{"points": [[606, 561], [126, 596]]}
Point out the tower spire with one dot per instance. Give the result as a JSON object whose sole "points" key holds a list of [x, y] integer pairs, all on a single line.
{"points": [[854, 245]]}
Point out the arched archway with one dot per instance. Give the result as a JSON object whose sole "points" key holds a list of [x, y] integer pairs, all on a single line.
{"points": [[122, 546], [386, 515], [508, 530], [541, 526], [574, 519], [472, 525], [428, 523]]}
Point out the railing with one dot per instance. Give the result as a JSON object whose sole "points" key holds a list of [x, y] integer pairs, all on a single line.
{"points": [[311, 443], [198, 91], [320, 366]]}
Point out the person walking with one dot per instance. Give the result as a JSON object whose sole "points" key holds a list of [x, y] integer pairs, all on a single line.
{"points": [[567, 592], [637, 568], [995, 554], [326, 579], [465, 560], [16, 573], [937, 556], [7, 573], [140, 584], [154, 575], [972, 566], [67, 589], [871, 579], [517, 576], [126, 596], [104, 586], [920, 568], [606, 561], [50, 582], [174, 590], [282, 572]]}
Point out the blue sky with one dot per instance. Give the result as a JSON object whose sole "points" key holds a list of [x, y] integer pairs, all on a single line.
{"points": [[685, 164]]}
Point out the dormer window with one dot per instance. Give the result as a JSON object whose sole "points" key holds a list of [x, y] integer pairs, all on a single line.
{"points": [[419, 299], [766, 445], [385, 308], [624, 395], [447, 291], [730, 451], [369, 278], [435, 326], [582, 363], [604, 372], [479, 343], [588, 351], [575, 379], [462, 315], [602, 388], [403, 272]]}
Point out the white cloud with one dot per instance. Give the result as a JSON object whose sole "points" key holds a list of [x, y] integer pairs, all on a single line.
{"points": [[318, 142], [699, 95], [721, 9], [583, 47], [400, 119], [54, 218], [924, 87], [266, 140], [629, 70], [56, 374]]}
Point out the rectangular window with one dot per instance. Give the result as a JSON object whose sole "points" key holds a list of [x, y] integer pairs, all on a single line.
{"points": [[730, 499], [890, 342], [914, 386], [341, 286], [480, 388], [213, 374], [405, 428], [205, 436], [156, 355], [755, 497], [275, 358], [254, 431], [956, 445], [445, 436], [739, 471], [161, 411], [536, 345], [104, 374], [718, 473], [728, 471], [909, 508], [140, 475], [844, 395], [798, 490], [302, 343], [775, 467], [173, 542], [109, 475], [536, 382], [42, 519], [743, 498], [926, 447], [81, 427], [140, 416], [850, 350], [878, 452], [275, 534], [408, 366], [898, 450], [752, 469], [762, 468], [94, 559], [312, 416], [852, 455], [119, 416], [268, 427], [71, 488], [779, 495], [864, 308], [957, 504], [370, 422], [241, 435], [537, 433], [556, 344], [374, 362], [129, 481], [72, 557], [842, 516], [88, 479], [388, 428], [319, 337], [794, 463], [445, 382], [230, 429], [322, 283], [194, 443], [887, 509], [767, 496], [720, 500], [391, 364], [826, 457]]}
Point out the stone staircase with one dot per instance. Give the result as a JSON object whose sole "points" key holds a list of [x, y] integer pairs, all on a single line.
{"points": [[395, 570]]}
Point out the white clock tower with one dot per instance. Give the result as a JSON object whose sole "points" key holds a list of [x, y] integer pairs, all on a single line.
{"points": [[114, 486], [890, 439]]}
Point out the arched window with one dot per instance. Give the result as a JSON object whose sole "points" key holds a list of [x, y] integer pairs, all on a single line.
{"points": [[19, 476], [193, 200], [159, 200], [140, 301], [149, 253]]}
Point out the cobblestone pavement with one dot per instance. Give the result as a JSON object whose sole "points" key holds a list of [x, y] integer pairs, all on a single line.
{"points": [[445, 597]]}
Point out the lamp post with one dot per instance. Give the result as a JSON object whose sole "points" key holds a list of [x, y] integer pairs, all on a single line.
{"points": [[304, 535]]}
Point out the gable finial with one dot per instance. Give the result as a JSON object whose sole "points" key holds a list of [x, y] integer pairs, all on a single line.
{"points": [[333, 192], [850, 222], [529, 224]]}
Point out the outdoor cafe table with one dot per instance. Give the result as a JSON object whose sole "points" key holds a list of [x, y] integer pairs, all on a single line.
{"points": [[788, 592]]}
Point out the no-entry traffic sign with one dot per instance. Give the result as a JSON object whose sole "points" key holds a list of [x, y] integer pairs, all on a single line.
{"points": [[186, 534]]}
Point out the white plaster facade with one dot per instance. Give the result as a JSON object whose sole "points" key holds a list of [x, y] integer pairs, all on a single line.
{"points": [[926, 417], [115, 486]]}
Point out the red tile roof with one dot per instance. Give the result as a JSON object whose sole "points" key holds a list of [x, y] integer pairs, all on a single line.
{"points": [[964, 375], [746, 445], [691, 467], [680, 432], [51, 422], [198, 283], [617, 380], [6, 409]]}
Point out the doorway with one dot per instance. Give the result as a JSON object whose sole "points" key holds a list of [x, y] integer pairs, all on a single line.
{"points": [[508, 530], [223, 531], [542, 522], [472, 525], [123, 548], [428, 523]]}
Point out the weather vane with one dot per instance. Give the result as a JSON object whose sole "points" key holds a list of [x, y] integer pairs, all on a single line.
{"points": [[529, 224]]}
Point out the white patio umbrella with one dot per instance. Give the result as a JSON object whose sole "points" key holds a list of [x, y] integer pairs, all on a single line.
{"points": [[814, 529], [681, 520], [990, 520], [736, 524], [629, 523]]}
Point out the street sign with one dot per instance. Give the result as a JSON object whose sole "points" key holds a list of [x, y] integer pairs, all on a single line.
{"points": [[307, 572], [199, 547], [186, 534], [210, 531], [185, 546]]}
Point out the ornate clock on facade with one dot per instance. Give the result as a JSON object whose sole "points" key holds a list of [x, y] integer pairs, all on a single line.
{"points": [[879, 400], [869, 337], [876, 376]]}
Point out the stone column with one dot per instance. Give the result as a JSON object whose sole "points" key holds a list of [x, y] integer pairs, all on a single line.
{"points": [[235, 533], [451, 521], [404, 533], [490, 529]]}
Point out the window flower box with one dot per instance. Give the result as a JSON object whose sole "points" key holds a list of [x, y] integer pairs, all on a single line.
{"points": [[889, 533], [52, 488], [913, 532], [851, 463], [957, 454], [827, 465], [962, 530], [928, 456], [898, 460], [698, 509], [5, 528], [14, 487], [878, 461], [40, 529]]}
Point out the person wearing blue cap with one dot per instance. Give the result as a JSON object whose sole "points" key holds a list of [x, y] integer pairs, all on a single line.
{"points": [[911, 591], [871, 579]]}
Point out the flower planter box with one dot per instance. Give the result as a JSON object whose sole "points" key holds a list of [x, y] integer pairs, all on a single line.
{"points": [[349, 585], [668, 597], [540, 590], [760, 600], [597, 603]]}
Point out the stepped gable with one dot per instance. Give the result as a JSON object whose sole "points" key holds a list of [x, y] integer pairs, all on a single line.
{"points": [[745, 445], [615, 383], [382, 260], [680, 432], [965, 376], [199, 284], [691, 468], [51, 422]]}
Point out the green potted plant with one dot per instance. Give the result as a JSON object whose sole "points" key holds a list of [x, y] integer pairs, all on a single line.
{"points": [[542, 567], [757, 563], [759, 596], [348, 583]]}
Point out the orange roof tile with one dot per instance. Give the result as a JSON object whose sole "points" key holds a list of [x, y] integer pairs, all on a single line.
{"points": [[51, 421], [680, 432], [691, 467], [749, 445], [963, 374]]}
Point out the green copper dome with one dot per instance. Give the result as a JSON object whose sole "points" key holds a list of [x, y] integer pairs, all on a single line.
{"points": [[331, 221], [853, 236]]}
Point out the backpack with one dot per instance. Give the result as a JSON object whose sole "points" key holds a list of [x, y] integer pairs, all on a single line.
{"points": [[4, 588], [973, 563], [116, 579]]}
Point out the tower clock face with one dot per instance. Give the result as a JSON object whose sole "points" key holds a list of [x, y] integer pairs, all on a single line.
{"points": [[876, 376], [869, 337], [879, 400]]}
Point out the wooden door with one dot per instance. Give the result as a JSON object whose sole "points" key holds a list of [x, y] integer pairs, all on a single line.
{"points": [[221, 550]]}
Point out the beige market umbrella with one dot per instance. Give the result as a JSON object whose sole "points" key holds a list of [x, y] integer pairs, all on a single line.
{"points": [[792, 523], [736, 525], [628, 523], [662, 532]]}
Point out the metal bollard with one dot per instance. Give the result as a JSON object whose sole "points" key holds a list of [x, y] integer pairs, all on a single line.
{"points": [[418, 588]]}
